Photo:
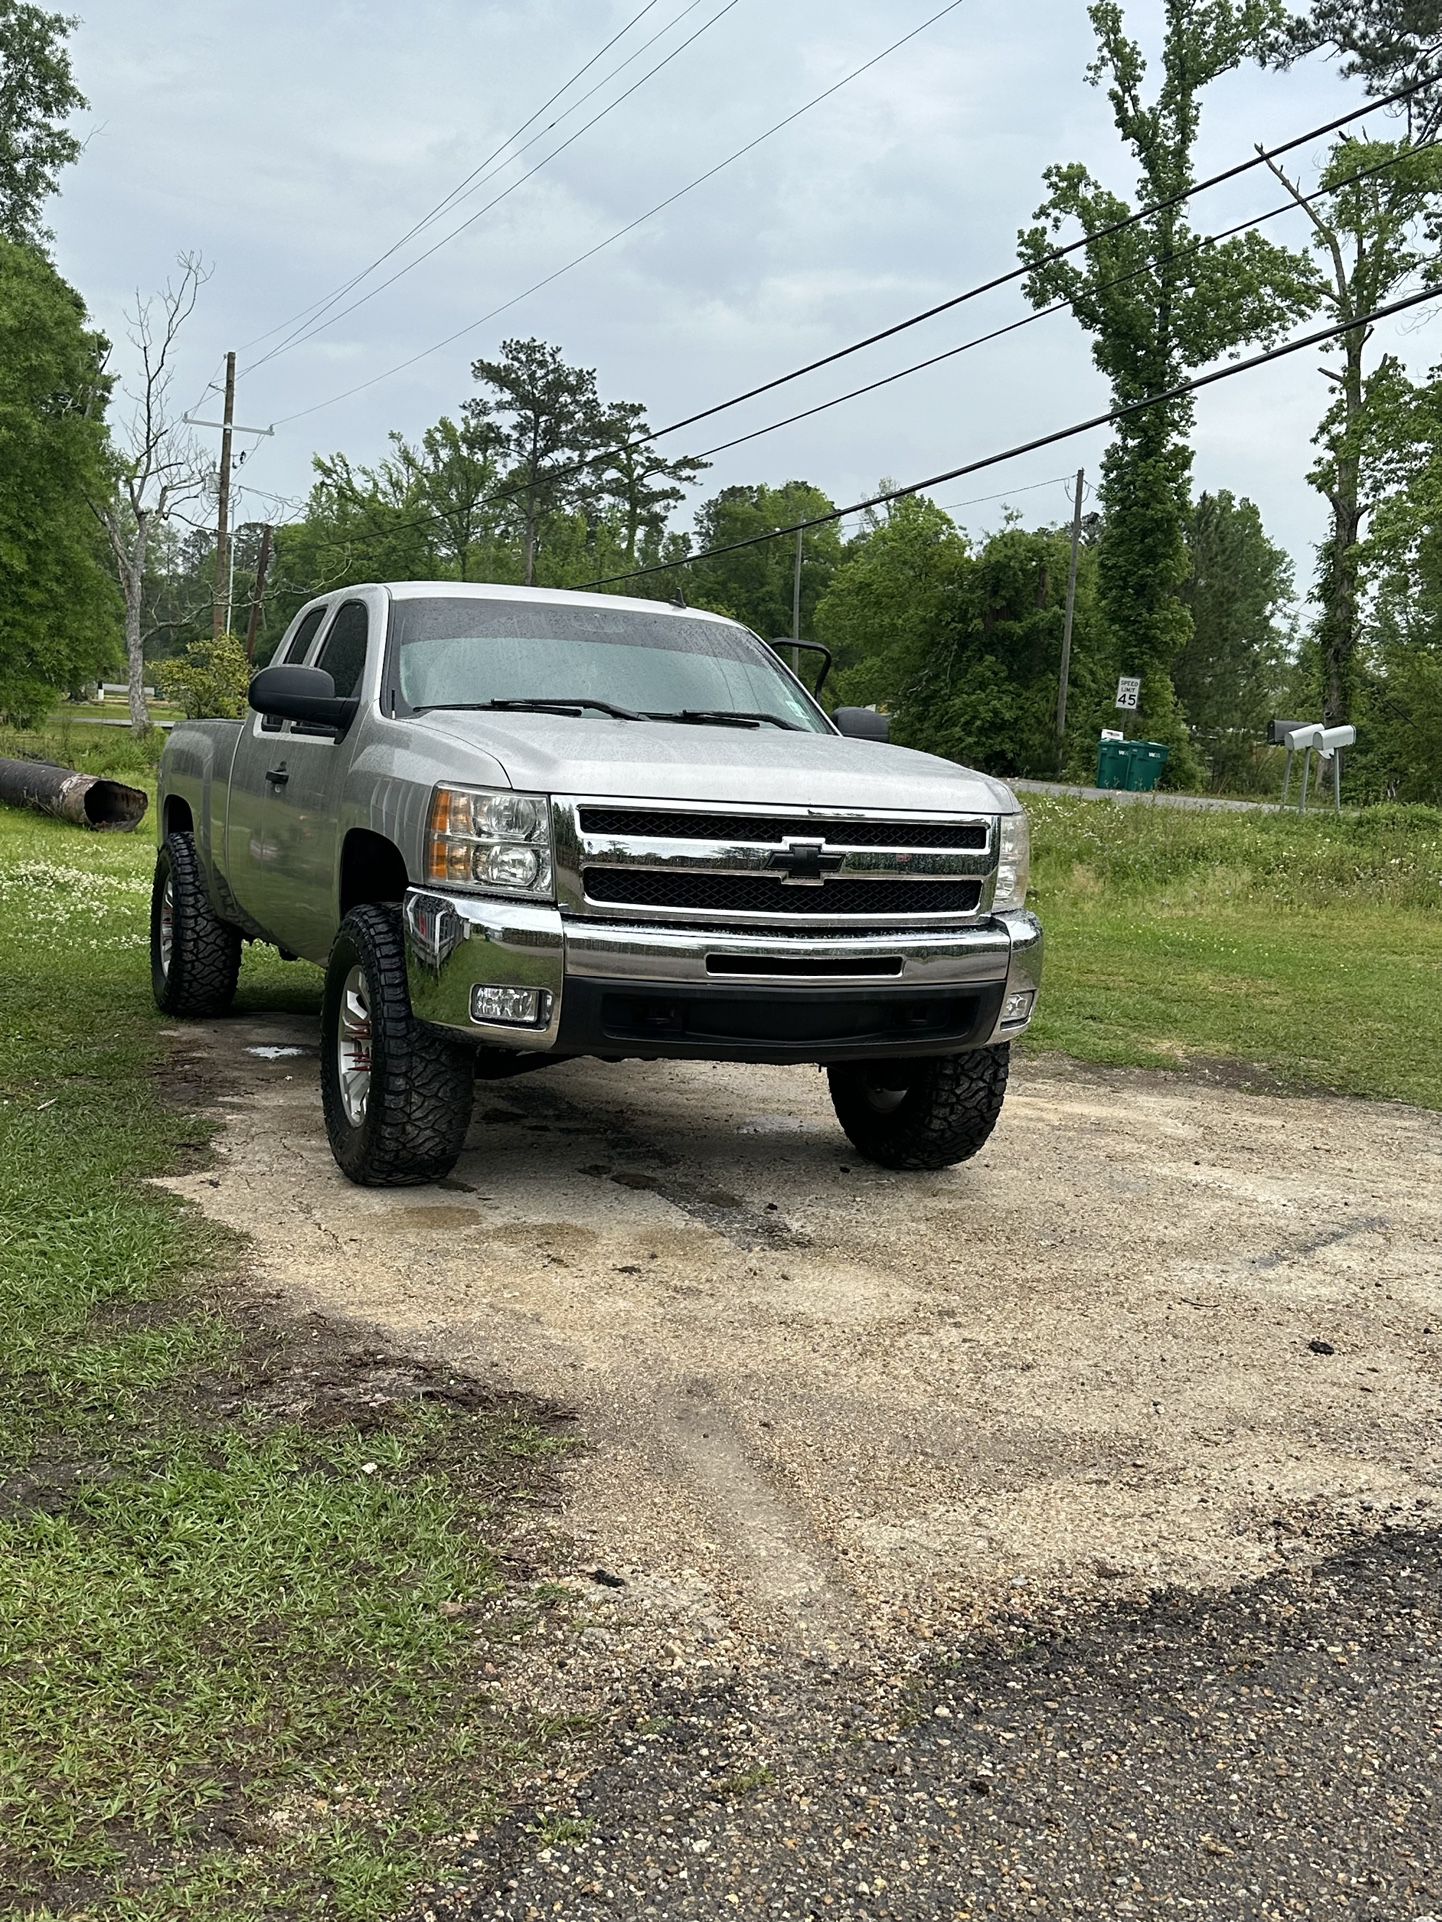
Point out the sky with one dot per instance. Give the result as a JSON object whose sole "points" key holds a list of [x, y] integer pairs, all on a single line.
{"points": [[291, 145]]}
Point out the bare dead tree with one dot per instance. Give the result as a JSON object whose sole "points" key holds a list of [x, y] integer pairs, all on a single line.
{"points": [[159, 465]]}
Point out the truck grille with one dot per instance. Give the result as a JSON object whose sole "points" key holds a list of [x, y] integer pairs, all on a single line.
{"points": [[764, 867], [767, 895], [773, 829]]}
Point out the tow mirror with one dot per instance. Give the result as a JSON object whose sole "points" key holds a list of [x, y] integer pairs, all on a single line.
{"points": [[863, 723], [305, 694]]}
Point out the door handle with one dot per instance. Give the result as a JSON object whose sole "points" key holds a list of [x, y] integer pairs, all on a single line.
{"points": [[277, 775]]}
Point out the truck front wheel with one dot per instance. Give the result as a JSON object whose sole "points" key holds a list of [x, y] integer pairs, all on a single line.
{"points": [[194, 955], [397, 1095], [928, 1113]]}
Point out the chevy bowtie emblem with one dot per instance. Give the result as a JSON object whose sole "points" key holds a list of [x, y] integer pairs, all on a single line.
{"points": [[807, 863]]}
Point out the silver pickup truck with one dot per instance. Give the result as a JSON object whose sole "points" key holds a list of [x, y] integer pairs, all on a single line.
{"points": [[517, 826]]}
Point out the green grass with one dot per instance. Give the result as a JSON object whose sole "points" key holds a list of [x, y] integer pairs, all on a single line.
{"points": [[112, 751], [1312, 948], [236, 1683], [112, 710]]}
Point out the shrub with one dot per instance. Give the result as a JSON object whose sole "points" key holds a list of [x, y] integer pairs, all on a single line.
{"points": [[209, 681]]}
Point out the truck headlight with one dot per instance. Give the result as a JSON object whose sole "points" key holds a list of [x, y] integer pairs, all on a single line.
{"points": [[1013, 867], [492, 839]]}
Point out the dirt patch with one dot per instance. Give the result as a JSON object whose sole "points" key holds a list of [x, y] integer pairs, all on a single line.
{"points": [[830, 1405]]}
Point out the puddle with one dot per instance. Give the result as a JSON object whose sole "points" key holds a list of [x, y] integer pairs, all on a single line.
{"points": [[280, 1054]]}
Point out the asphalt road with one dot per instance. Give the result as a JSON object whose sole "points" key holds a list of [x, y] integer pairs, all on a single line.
{"points": [[1271, 1752], [1189, 803]]}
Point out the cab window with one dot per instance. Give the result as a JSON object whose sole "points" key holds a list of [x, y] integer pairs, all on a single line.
{"points": [[344, 654], [294, 650]]}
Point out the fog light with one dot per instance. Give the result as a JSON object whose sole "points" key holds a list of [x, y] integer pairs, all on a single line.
{"points": [[517, 1007], [1018, 1007]]}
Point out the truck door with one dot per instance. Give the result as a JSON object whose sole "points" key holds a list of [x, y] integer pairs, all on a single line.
{"points": [[285, 800]]}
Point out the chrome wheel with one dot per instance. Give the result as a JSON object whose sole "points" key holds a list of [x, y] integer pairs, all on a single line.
{"points": [[166, 931], [353, 1048]]}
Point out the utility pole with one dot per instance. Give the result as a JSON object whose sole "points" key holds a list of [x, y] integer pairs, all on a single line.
{"points": [[220, 606], [796, 605], [1076, 521], [262, 567], [220, 600]]}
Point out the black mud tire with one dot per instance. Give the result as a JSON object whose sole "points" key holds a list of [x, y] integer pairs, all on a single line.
{"points": [[927, 1113], [198, 976], [422, 1087]]}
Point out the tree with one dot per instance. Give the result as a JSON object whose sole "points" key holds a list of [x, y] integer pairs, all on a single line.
{"points": [[1399, 699], [644, 484], [37, 94], [57, 607], [1371, 236], [1371, 240], [962, 644], [1387, 44], [549, 417], [884, 607], [160, 468], [1159, 302], [359, 525], [992, 700], [450, 477], [1235, 662], [755, 584]]}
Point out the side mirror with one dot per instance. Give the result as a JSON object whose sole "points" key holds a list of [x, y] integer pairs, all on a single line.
{"points": [[304, 694], [863, 723]]}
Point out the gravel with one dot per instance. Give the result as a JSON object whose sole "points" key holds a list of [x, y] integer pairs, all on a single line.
{"points": [[1266, 1752]]}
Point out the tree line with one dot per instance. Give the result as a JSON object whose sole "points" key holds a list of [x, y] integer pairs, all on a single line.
{"points": [[535, 477]]}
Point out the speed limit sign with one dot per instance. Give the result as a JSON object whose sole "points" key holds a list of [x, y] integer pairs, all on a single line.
{"points": [[1129, 692]]}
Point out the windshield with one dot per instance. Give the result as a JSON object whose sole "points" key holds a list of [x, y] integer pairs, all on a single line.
{"points": [[462, 651]]}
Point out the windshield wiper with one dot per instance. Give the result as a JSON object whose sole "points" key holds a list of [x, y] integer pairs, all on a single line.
{"points": [[566, 704], [725, 717]]}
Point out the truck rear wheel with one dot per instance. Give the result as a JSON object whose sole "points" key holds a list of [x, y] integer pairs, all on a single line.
{"points": [[397, 1095], [928, 1113], [194, 955]]}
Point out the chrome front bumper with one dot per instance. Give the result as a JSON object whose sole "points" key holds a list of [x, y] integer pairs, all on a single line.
{"points": [[455, 943]]}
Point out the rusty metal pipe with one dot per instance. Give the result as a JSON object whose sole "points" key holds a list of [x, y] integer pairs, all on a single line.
{"points": [[87, 800]]}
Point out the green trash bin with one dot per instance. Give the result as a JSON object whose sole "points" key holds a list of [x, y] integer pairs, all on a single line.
{"points": [[1145, 761], [1112, 764]]}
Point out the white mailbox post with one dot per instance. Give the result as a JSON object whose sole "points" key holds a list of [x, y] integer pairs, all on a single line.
{"points": [[1321, 740]]}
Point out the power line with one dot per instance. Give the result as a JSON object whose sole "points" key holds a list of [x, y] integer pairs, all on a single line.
{"points": [[458, 191], [631, 226], [1178, 392], [301, 335], [1260, 158], [983, 500], [1199, 246], [977, 340], [475, 179]]}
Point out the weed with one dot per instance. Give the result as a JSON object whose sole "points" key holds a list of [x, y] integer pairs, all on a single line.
{"points": [[562, 1831], [746, 1781]]}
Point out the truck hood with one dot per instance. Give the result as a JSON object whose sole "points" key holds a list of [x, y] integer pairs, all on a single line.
{"points": [[666, 761]]}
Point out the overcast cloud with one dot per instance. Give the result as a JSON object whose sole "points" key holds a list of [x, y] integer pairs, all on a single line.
{"points": [[291, 144]]}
